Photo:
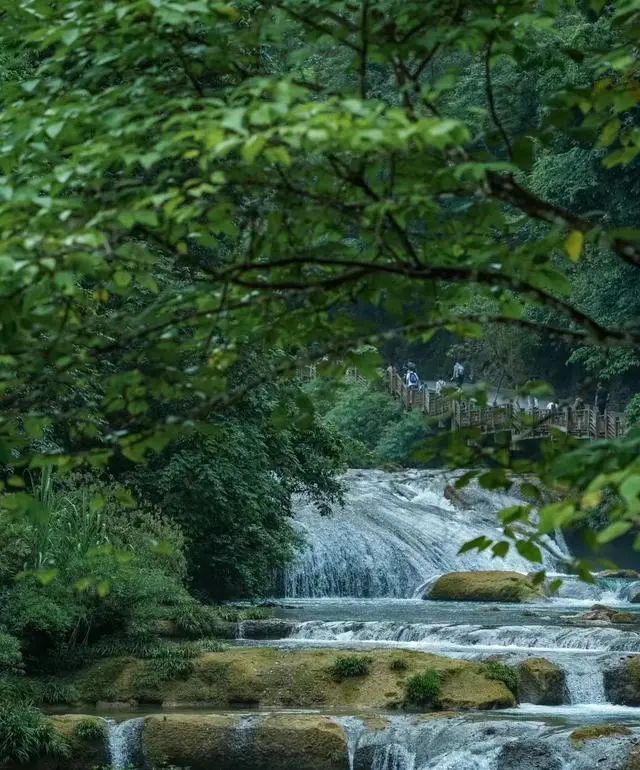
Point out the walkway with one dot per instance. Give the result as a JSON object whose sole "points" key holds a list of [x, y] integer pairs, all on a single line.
{"points": [[507, 416]]}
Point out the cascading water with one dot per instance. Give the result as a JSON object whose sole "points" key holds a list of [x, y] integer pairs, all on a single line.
{"points": [[409, 743], [125, 743], [394, 532]]}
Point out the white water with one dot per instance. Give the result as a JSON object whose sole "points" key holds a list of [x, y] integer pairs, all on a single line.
{"points": [[394, 533], [124, 740], [411, 743]]}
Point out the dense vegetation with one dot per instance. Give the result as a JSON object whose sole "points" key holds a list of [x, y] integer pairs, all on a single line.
{"points": [[197, 199]]}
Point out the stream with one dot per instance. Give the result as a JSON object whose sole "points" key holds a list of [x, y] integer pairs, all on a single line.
{"points": [[358, 583]]}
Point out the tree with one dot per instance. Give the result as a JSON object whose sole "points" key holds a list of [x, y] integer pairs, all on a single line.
{"points": [[208, 136]]}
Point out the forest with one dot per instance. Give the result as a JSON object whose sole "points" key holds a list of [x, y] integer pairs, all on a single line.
{"points": [[213, 214]]}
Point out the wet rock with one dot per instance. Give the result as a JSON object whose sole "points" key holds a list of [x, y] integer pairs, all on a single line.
{"points": [[265, 629], [622, 682], [528, 755], [483, 586], [627, 574], [228, 742], [599, 613], [595, 732], [541, 682]]}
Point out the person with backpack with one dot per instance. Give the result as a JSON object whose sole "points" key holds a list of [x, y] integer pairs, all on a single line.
{"points": [[458, 374], [412, 380]]}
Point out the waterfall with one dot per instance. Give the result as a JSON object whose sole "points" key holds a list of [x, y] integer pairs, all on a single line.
{"points": [[582, 653], [459, 743], [125, 743], [537, 638], [395, 531]]}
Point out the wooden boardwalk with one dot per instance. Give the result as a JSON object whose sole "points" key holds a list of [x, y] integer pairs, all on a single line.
{"points": [[521, 423]]}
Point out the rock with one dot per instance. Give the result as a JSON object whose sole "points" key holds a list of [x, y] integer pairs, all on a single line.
{"points": [[528, 755], [624, 617], [601, 614], [487, 586], [284, 678], [473, 690], [265, 629], [229, 742], [541, 682], [622, 682], [594, 732], [627, 574]]}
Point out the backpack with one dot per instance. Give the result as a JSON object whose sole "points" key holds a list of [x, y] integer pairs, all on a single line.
{"points": [[413, 378]]}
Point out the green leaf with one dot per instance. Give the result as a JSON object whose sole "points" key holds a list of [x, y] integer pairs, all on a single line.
{"points": [[573, 245], [529, 551], [477, 544], [613, 531]]}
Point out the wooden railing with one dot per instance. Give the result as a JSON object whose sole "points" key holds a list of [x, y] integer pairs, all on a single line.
{"points": [[521, 423]]}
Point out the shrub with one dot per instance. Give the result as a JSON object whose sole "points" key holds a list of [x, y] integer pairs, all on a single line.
{"points": [[397, 664], [423, 689], [25, 735], [10, 655], [632, 410], [493, 669], [347, 666], [90, 730]]}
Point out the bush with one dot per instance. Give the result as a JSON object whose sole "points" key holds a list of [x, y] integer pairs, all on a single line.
{"points": [[423, 689], [90, 730], [10, 655], [347, 666], [397, 664], [632, 410], [493, 669], [25, 735]]}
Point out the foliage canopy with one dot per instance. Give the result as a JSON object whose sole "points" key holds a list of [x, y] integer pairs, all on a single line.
{"points": [[181, 182]]}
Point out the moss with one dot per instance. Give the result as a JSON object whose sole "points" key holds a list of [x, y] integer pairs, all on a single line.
{"points": [[487, 586], [593, 732], [624, 617], [292, 679], [270, 742], [467, 689], [494, 669], [541, 682]]}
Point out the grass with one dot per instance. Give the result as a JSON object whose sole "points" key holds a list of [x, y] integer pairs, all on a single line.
{"points": [[397, 664], [493, 669]]}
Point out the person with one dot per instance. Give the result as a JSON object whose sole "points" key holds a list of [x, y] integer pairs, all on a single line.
{"points": [[458, 374], [602, 398], [578, 404], [412, 380], [552, 407], [440, 386]]}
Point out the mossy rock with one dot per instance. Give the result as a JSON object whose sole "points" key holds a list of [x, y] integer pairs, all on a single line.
{"points": [[622, 682], [594, 732], [625, 617], [269, 677], [487, 586], [227, 742], [541, 682]]}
